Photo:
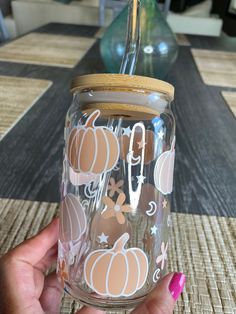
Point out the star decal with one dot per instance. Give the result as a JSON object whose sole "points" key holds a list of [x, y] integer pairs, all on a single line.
{"points": [[141, 144], [164, 203], [154, 230], [141, 178], [127, 131], [103, 238], [161, 134]]}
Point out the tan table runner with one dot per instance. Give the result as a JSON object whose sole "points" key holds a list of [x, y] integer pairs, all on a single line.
{"points": [[202, 247], [216, 68], [230, 99], [17, 95], [47, 49], [182, 40], [100, 32]]}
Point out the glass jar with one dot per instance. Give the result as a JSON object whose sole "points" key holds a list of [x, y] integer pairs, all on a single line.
{"points": [[116, 186]]}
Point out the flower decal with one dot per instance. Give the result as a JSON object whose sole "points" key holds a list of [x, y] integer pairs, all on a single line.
{"points": [[116, 209], [115, 187], [62, 273], [161, 258]]}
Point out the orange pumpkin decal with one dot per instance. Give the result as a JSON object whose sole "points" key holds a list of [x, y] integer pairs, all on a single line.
{"points": [[92, 149], [116, 272], [164, 169]]}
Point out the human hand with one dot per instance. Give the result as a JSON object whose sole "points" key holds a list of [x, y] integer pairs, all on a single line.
{"points": [[24, 289]]}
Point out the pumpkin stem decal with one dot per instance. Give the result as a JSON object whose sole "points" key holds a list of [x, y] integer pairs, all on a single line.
{"points": [[116, 272], [92, 149], [120, 243], [91, 119], [164, 169]]}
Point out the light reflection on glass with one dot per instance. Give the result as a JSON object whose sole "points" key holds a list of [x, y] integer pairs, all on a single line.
{"points": [[163, 48], [120, 50], [153, 98], [148, 49]]}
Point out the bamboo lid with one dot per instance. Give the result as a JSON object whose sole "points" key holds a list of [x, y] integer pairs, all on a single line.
{"points": [[122, 81]]}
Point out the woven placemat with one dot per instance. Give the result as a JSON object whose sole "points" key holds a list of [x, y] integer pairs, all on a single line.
{"points": [[216, 68], [47, 49], [202, 247], [100, 32], [17, 95], [182, 40], [230, 99]]}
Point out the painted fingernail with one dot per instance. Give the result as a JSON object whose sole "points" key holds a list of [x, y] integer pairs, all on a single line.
{"points": [[176, 285]]}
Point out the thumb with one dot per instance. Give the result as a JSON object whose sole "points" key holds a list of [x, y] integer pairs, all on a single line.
{"points": [[34, 249], [162, 299]]}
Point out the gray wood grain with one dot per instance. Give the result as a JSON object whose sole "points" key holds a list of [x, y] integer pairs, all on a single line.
{"points": [[205, 172]]}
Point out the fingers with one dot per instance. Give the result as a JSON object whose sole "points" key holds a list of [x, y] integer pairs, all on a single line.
{"points": [[163, 297], [50, 298], [34, 249], [48, 259], [90, 310]]}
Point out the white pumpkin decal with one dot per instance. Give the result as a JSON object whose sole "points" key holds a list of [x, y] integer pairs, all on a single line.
{"points": [[164, 170], [73, 221], [116, 272]]}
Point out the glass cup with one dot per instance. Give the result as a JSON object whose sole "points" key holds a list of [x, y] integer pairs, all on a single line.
{"points": [[116, 186]]}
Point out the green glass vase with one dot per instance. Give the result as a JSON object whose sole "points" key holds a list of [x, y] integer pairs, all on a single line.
{"points": [[158, 47]]}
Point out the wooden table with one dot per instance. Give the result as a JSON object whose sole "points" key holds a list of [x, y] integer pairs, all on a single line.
{"points": [[205, 172]]}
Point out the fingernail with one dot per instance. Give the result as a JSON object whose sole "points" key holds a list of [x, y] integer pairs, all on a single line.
{"points": [[176, 285]]}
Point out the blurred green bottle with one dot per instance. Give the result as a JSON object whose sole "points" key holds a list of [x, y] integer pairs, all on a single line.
{"points": [[158, 47]]}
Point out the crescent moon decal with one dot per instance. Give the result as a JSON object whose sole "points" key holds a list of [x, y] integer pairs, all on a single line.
{"points": [[88, 192], [156, 275], [153, 208], [133, 161], [85, 204]]}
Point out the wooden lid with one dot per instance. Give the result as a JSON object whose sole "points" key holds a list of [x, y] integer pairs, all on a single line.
{"points": [[122, 81]]}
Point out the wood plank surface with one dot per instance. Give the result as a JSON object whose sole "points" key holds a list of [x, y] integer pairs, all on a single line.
{"points": [[205, 171]]}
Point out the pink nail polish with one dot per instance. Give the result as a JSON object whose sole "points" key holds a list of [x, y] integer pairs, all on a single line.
{"points": [[176, 285]]}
